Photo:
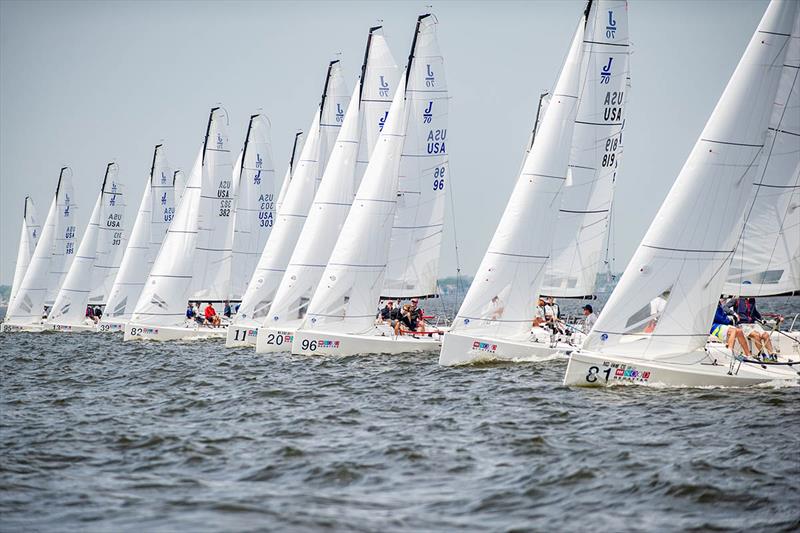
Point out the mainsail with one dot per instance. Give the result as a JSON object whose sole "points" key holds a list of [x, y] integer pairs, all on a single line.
{"points": [[28, 238], [102, 236], [255, 203], [416, 241], [362, 123], [156, 211], [501, 299], [767, 259], [579, 240], [296, 203], [665, 301], [111, 240]]}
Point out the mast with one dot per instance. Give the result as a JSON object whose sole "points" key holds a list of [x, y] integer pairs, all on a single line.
{"points": [[246, 143], [414, 47], [208, 132], [366, 58], [325, 88]]}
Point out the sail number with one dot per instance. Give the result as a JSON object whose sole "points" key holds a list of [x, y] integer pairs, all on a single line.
{"points": [[277, 340], [135, 332], [594, 372], [225, 208], [438, 179], [308, 345], [117, 238]]}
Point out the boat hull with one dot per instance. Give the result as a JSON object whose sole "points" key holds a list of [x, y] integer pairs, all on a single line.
{"points": [[273, 340], [460, 349], [239, 335], [324, 343], [70, 328], [16, 328], [600, 370], [134, 332]]}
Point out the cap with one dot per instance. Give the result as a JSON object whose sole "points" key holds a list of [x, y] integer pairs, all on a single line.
{"points": [[588, 307]]}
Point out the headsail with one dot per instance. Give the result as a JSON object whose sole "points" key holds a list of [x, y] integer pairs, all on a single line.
{"points": [[111, 240], [28, 238], [102, 235], [767, 259], [65, 236], [579, 239], [413, 263], [502, 297], [666, 298], [255, 203]]}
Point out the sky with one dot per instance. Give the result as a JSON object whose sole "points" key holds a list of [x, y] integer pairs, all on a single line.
{"points": [[84, 83]]}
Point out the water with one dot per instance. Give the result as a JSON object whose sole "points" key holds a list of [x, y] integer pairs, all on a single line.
{"points": [[101, 435]]}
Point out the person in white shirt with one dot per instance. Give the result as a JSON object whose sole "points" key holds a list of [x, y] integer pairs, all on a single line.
{"points": [[590, 317]]}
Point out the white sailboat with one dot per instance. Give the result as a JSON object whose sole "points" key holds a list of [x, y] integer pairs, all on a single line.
{"points": [[363, 120], [255, 203], [194, 259], [341, 314], [95, 257], [293, 210], [52, 256], [29, 236], [655, 326], [156, 211], [495, 319]]}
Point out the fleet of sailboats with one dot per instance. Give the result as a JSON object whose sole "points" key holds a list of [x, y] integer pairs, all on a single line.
{"points": [[358, 221]]}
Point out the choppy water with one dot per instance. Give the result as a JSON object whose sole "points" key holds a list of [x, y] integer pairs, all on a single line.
{"points": [[101, 435]]}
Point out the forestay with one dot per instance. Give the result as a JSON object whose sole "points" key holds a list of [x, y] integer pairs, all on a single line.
{"points": [[665, 301], [579, 240], [29, 236], [255, 203], [413, 263], [214, 248], [767, 259], [501, 299], [339, 184], [103, 233], [294, 207], [156, 211]]}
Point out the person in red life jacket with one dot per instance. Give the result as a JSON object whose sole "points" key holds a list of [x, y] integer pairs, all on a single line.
{"points": [[212, 318], [749, 319]]}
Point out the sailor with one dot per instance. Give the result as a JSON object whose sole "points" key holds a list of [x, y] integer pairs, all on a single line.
{"points": [[406, 320], [590, 317], [90, 314], [723, 329], [417, 315], [749, 318], [212, 318], [389, 313], [98, 313], [227, 309], [189, 311], [538, 314]]}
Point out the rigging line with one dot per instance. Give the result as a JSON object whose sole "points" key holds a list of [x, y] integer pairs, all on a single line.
{"points": [[455, 246]]}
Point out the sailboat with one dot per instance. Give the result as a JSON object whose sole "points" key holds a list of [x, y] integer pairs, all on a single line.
{"points": [[96, 255], [363, 120], [495, 319], [193, 262], [156, 211], [29, 236], [410, 154], [314, 156], [254, 176], [654, 328], [767, 258], [51, 258]]}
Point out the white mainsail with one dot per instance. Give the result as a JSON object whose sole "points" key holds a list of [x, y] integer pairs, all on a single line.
{"points": [[582, 226], [363, 120], [211, 279], [156, 211], [767, 259], [255, 203], [100, 236], [28, 238], [665, 301], [294, 206], [112, 239], [416, 241], [53, 253], [163, 299], [501, 299]]}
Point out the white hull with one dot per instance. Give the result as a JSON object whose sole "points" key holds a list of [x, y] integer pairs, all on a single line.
{"points": [[460, 349], [273, 340], [70, 328], [15, 328], [111, 327], [688, 370], [241, 335], [323, 343], [135, 332]]}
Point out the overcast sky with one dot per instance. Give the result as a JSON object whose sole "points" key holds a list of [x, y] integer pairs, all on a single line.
{"points": [[82, 83]]}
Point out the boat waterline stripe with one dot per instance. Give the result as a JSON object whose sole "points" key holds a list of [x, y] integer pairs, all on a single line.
{"points": [[687, 250], [733, 143]]}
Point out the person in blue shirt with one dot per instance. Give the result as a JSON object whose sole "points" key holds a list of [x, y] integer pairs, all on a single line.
{"points": [[189, 311], [724, 330]]}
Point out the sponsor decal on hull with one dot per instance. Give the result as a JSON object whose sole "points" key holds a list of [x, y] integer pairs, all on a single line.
{"points": [[616, 372], [314, 344], [484, 347]]}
